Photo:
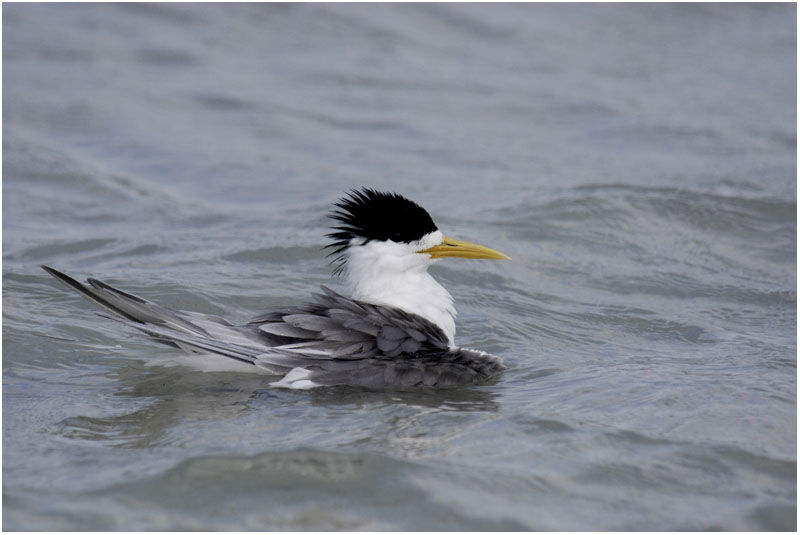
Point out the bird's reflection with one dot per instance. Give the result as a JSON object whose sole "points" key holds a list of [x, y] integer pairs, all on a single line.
{"points": [[171, 397]]}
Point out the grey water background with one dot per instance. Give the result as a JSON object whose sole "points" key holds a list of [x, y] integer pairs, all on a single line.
{"points": [[638, 162]]}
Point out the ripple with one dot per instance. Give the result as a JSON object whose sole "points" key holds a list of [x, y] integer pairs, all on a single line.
{"points": [[305, 490]]}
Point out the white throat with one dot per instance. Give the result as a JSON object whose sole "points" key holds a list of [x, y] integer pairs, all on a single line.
{"points": [[394, 274]]}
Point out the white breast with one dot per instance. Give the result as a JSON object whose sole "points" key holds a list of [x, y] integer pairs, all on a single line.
{"points": [[393, 274]]}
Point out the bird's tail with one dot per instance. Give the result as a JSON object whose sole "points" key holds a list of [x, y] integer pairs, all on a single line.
{"points": [[190, 331], [128, 306]]}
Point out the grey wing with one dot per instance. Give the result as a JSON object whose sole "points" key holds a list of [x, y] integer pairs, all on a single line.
{"points": [[335, 327], [338, 340], [453, 367]]}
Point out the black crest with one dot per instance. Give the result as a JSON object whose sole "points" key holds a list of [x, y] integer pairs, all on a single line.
{"points": [[376, 215]]}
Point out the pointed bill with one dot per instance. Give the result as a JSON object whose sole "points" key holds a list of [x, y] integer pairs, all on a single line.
{"points": [[451, 248]]}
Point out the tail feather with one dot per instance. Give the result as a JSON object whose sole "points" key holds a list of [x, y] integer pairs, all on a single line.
{"points": [[200, 343], [129, 306], [89, 294], [164, 324]]}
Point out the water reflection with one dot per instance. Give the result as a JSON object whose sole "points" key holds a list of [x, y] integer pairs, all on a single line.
{"points": [[481, 398], [172, 401]]}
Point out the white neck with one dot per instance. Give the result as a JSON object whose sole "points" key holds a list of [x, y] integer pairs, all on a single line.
{"points": [[393, 274]]}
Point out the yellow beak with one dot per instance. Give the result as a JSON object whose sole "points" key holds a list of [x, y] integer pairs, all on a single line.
{"points": [[462, 249]]}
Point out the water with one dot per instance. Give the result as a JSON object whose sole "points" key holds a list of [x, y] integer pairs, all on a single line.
{"points": [[638, 162]]}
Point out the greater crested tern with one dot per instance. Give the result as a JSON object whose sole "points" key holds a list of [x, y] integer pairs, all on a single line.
{"points": [[397, 329]]}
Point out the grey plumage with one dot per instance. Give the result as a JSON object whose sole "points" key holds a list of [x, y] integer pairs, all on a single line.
{"points": [[334, 339]]}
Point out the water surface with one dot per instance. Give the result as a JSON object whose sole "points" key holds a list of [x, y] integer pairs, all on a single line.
{"points": [[638, 163]]}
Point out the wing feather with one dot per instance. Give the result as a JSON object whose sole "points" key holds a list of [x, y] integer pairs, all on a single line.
{"points": [[351, 329], [286, 330]]}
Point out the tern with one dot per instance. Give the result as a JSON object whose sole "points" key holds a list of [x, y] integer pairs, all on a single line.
{"points": [[396, 330]]}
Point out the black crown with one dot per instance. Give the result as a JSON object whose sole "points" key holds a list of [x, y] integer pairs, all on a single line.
{"points": [[376, 215]]}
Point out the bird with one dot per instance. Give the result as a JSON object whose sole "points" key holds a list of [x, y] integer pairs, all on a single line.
{"points": [[396, 330]]}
